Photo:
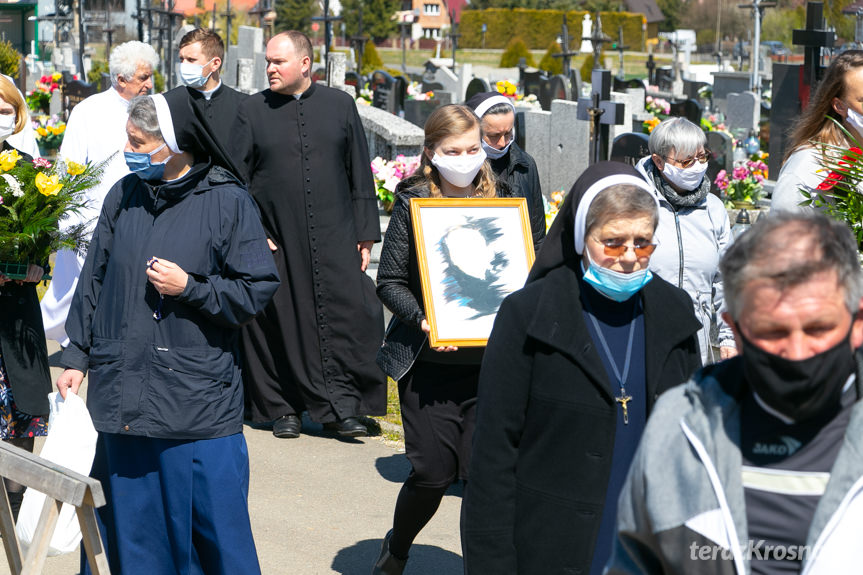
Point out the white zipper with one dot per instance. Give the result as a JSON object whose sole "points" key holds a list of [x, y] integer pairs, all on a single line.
{"points": [[730, 530], [833, 523]]}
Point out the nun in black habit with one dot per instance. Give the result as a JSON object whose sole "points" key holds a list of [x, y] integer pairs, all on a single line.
{"points": [[573, 367], [178, 262]]}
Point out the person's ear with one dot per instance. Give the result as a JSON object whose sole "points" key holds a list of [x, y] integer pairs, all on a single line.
{"points": [[734, 328], [857, 327], [658, 161], [216, 64], [428, 153], [839, 107]]}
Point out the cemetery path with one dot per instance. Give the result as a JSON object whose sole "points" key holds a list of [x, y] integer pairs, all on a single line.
{"points": [[321, 505]]}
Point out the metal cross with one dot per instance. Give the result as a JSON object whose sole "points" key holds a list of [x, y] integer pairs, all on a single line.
{"points": [[812, 38], [566, 53], [623, 400], [601, 112], [328, 32], [620, 49], [597, 39]]}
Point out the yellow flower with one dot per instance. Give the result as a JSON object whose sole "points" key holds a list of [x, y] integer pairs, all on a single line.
{"points": [[48, 185], [74, 168], [41, 131], [8, 159], [59, 129], [56, 76]]}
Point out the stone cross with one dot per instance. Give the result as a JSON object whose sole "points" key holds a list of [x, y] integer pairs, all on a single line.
{"points": [[601, 112], [651, 66], [597, 40], [620, 48], [566, 53], [812, 38], [453, 36]]}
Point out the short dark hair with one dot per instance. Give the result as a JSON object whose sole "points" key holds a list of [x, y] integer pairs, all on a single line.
{"points": [[211, 43], [760, 253], [620, 201], [302, 44]]}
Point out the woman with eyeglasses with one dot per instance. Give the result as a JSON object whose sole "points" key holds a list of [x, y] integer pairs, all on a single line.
{"points": [[573, 367], [693, 231]]}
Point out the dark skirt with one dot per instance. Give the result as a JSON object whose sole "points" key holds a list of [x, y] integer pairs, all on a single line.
{"points": [[16, 424], [438, 403]]}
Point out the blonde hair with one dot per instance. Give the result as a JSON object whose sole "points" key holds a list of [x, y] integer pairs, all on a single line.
{"points": [[12, 96], [445, 122]]}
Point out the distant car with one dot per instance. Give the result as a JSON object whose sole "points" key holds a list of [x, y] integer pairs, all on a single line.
{"points": [[740, 50], [776, 48]]}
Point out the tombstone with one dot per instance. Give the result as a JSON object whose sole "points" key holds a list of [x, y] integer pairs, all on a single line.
{"points": [[229, 68], [630, 148], [558, 88], [601, 112], [388, 93], [250, 40], [638, 97], [336, 73], [721, 148], [619, 85], [664, 78], [537, 83], [55, 104], [743, 113], [574, 85], [246, 75], [567, 155], [476, 86], [73, 93], [725, 83], [418, 111], [784, 112], [355, 80], [431, 86], [692, 88], [689, 109]]}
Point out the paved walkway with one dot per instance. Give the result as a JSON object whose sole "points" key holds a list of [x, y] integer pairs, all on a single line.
{"points": [[322, 505]]}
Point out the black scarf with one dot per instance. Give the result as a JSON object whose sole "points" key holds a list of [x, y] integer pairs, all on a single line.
{"points": [[686, 200]]}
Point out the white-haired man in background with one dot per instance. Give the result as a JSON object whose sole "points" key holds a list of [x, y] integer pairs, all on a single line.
{"points": [[96, 131]]}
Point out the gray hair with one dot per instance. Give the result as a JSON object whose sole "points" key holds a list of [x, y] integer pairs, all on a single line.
{"points": [[620, 201], [126, 58], [142, 115], [762, 253], [499, 109], [678, 135]]}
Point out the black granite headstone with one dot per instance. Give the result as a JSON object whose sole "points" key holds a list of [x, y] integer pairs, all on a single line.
{"points": [[689, 109], [476, 86], [629, 148], [72, 93], [721, 148]]}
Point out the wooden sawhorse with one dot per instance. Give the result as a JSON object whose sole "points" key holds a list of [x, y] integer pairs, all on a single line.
{"points": [[60, 485]]}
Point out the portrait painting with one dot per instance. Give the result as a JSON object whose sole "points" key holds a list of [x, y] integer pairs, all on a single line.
{"points": [[472, 253]]}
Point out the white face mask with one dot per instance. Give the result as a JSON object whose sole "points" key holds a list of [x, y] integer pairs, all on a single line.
{"points": [[686, 179], [459, 170], [192, 74], [855, 120], [493, 153], [7, 126]]}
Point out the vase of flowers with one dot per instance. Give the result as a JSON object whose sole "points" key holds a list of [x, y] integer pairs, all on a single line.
{"points": [[49, 134], [388, 174], [35, 199], [39, 99], [745, 185]]}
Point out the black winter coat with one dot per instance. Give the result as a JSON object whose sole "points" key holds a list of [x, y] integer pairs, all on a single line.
{"points": [[546, 422], [22, 343], [178, 377], [522, 177]]}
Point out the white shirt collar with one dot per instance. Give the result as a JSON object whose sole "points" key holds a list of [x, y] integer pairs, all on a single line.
{"points": [[209, 93]]}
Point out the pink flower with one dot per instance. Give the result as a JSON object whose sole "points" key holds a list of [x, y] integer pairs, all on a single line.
{"points": [[42, 163], [740, 173]]}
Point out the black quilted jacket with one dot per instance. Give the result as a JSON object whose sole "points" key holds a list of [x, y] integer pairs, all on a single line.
{"points": [[399, 282]]}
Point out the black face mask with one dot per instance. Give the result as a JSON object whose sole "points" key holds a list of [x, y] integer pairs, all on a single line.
{"points": [[799, 389]]}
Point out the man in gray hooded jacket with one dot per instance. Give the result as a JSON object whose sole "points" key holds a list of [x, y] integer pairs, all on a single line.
{"points": [[756, 465]]}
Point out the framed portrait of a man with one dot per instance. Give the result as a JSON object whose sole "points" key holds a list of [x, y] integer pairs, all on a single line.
{"points": [[472, 253]]}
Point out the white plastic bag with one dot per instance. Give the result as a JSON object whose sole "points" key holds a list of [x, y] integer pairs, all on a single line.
{"points": [[71, 442]]}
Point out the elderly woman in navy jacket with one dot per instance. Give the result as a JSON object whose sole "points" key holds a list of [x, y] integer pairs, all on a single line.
{"points": [[573, 367], [178, 262]]}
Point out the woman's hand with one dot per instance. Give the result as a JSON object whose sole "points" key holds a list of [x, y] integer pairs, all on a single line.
{"points": [[427, 328], [167, 277], [69, 380], [34, 274], [727, 352]]}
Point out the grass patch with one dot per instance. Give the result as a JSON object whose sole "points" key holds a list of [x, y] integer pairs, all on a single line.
{"points": [[393, 419]]}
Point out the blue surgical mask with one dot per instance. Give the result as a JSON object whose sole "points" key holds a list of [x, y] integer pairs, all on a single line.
{"points": [[192, 74], [614, 285], [141, 164], [493, 153]]}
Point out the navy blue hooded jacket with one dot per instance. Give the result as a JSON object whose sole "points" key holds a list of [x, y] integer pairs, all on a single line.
{"points": [[177, 377]]}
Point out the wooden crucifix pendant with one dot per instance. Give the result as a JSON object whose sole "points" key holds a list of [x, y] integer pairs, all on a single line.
{"points": [[623, 400]]}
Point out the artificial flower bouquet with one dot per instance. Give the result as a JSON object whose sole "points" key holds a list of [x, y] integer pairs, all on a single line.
{"points": [[35, 198], [39, 99], [745, 184], [49, 131], [552, 206], [414, 92], [388, 174]]}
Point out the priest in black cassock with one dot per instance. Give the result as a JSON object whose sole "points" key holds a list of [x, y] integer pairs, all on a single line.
{"points": [[306, 159], [202, 53]]}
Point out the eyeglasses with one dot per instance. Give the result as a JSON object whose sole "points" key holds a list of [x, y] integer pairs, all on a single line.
{"points": [[615, 249], [701, 158]]}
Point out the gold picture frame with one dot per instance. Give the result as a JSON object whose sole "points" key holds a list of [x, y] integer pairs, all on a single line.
{"points": [[471, 253]]}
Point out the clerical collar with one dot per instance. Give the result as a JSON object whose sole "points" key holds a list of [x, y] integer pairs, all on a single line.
{"points": [[207, 94], [298, 96]]}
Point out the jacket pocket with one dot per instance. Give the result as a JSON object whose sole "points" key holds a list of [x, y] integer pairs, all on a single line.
{"points": [[192, 389], [104, 377]]}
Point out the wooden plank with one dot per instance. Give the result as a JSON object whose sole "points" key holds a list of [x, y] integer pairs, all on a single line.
{"points": [[7, 530], [38, 550], [96, 556], [56, 481]]}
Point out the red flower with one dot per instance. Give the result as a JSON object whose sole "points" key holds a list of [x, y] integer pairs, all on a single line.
{"points": [[830, 181]]}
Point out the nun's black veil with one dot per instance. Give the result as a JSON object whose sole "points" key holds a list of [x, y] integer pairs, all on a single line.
{"points": [[558, 248], [193, 133]]}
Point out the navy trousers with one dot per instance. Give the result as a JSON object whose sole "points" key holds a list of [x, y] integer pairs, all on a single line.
{"points": [[175, 507]]}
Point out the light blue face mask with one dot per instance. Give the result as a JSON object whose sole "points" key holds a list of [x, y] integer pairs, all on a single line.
{"points": [[192, 74], [616, 285], [141, 164], [492, 152]]}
